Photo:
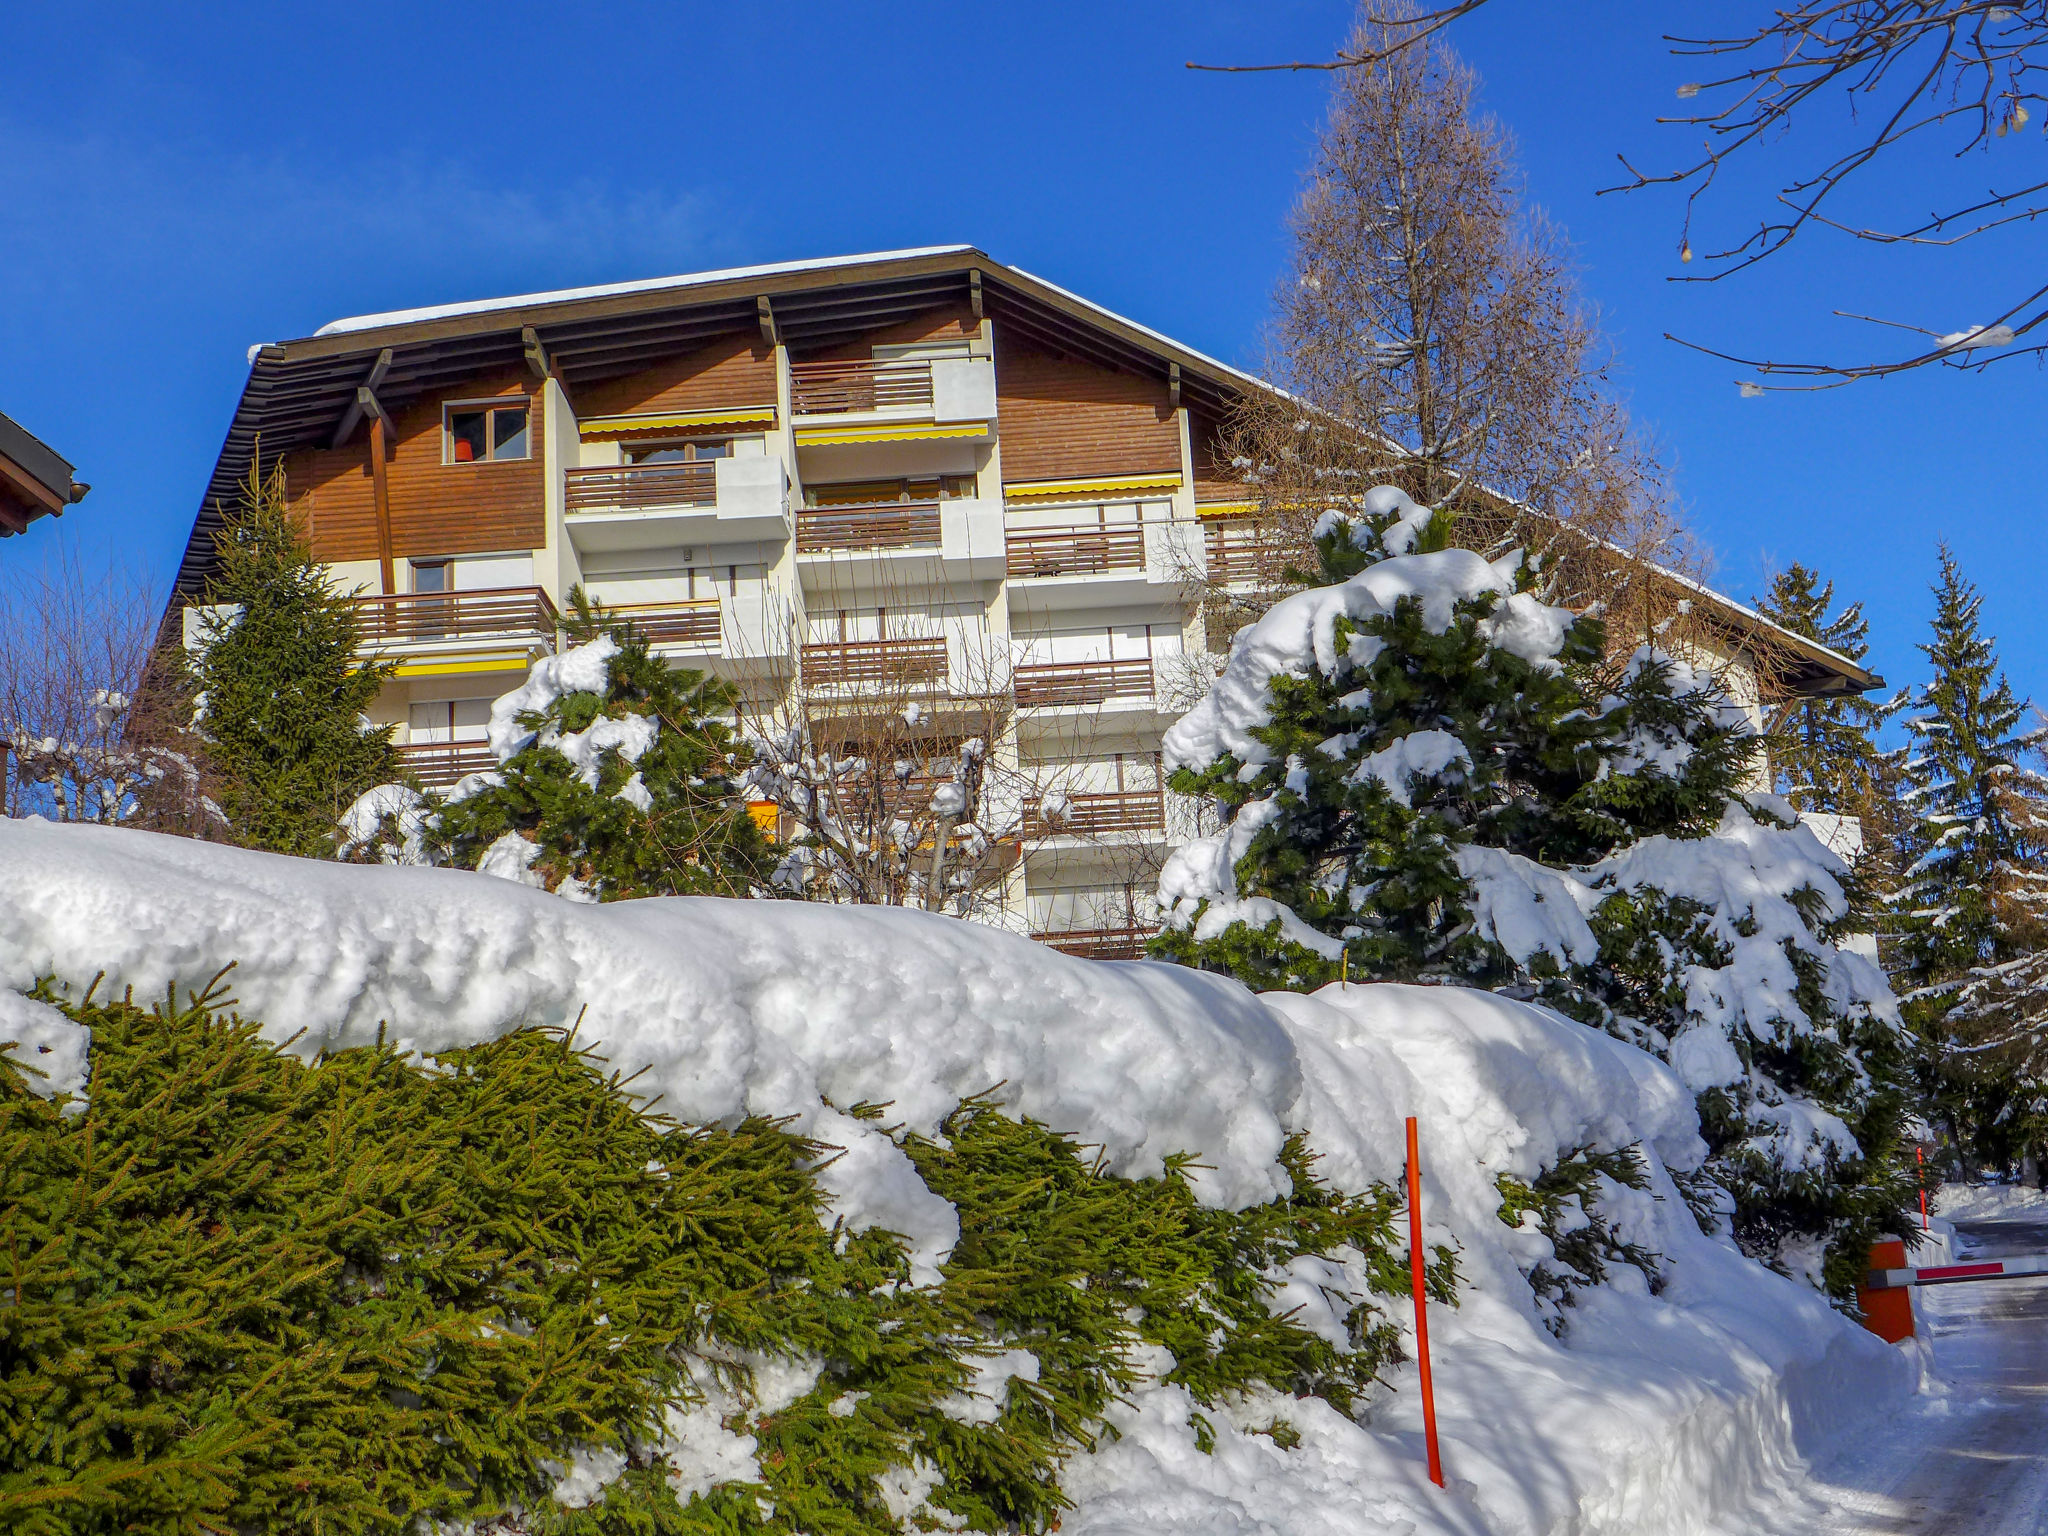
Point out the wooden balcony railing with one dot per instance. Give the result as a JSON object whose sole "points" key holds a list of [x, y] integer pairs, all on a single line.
{"points": [[640, 487], [876, 663], [1076, 551], [1249, 551], [439, 764], [1087, 815], [694, 622], [1099, 943], [829, 389], [1083, 682], [428, 618], [881, 525]]}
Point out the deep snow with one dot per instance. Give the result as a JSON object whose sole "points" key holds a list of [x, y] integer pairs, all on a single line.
{"points": [[1654, 1414]]}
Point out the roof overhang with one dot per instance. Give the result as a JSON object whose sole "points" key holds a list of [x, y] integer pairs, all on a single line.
{"points": [[298, 392], [35, 481]]}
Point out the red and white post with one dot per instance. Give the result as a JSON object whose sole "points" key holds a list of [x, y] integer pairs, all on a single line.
{"points": [[1415, 1268]]}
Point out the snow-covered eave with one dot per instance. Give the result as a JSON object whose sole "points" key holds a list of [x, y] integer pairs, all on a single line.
{"points": [[1738, 618], [678, 283]]}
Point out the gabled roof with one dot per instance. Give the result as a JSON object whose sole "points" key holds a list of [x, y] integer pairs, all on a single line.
{"points": [[298, 392], [34, 479]]}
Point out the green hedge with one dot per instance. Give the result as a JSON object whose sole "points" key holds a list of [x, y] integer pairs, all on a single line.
{"points": [[244, 1293]]}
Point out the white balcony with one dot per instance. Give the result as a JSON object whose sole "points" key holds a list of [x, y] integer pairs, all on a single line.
{"points": [[897, 541], [847, 404], [740, 627], [457, 630], [654, 506], [1153, 563]]}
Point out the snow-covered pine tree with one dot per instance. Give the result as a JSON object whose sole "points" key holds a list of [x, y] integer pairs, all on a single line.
{"points": [[282, 696], [1972, 954], [1823, 751], [1427, 774], [615, 778]]}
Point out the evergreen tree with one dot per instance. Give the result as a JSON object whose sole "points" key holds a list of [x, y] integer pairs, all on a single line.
{"points": [[615, 778], [281, 694], [1823, 754], [1973, 909], [1429, 775]]}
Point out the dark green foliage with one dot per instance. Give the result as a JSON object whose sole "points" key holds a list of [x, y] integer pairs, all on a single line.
{"points": [[693, 835], [1342, 852], [248, 1293], [1615, 785], [1971, 915], [1823, 752], [1566, 1200], [282, 693]]}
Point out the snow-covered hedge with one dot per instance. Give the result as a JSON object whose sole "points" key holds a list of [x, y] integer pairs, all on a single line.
{"points": [[1676, 1383]]}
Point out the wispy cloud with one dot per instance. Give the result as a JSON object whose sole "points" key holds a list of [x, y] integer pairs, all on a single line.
{"points": [[175, 222]]}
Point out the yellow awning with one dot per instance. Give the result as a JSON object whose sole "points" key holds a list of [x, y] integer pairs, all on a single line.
{"points": [[1226, 508], [1094, 486], [885, 432], [515, 662], [675, 421]]}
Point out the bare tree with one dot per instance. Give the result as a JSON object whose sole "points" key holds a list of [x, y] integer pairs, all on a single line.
{"points": [[1429, 334], [894, 767], [86, 732], [1961, 73]]}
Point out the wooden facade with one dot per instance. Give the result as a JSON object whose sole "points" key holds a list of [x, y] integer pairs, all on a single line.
{"points": [[947, 323], [437, 508], [1215, 478], [737, 373], [1063, 419]]}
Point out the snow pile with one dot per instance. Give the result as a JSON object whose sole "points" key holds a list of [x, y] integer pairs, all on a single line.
{"points": [[1990, 1202], [1654, 1412]]}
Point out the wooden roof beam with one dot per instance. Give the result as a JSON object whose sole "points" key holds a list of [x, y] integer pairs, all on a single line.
{"points": [[536, 355], [766, 311], [364, 391]]}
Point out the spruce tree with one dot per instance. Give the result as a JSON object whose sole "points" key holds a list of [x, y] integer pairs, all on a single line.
{"points": [[1823, 752], [1972, 954], [615, 778], [1427, 774], [280, 692]]}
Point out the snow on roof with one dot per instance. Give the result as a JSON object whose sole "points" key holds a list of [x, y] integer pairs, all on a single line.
{"points": [[608, 290]]}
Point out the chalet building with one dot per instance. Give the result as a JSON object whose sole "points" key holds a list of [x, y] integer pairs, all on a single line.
{"points": [[918, 477], [34, 481]]}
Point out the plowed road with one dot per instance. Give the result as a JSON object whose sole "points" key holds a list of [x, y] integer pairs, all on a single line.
{"points": [[1977, 1461]]}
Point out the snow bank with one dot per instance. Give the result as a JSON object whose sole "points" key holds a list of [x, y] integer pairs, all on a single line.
{"points": [[1990, 1202], [1654, 1413]]}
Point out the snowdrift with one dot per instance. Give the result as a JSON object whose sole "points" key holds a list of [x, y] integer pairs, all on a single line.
{"points": [[1652, 1414]]}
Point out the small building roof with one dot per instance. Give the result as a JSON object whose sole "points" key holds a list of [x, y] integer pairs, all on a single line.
{"points": [[35, 480]]}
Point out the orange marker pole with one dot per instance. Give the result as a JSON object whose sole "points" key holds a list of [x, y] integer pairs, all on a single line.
{"points": [[1436, 1465], [1920, 1157]]}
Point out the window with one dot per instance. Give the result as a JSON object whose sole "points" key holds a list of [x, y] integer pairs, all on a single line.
{"points": [[690, 451], [431, 576], [480, 434]]}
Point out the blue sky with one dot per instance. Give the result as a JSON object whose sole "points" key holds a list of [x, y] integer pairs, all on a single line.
{"points": [[171, 193]]}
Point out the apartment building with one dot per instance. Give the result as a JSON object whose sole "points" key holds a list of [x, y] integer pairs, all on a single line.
{"points": [[918, 480]]}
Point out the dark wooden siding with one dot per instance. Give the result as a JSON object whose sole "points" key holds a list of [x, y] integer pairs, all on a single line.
{"points": [[1215, 478], [728, 375], [1066, 420], [436, 508], [943, 324]]}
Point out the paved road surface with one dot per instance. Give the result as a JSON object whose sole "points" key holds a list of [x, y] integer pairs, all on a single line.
{"points": [[1977, 1463]]}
